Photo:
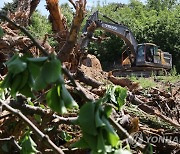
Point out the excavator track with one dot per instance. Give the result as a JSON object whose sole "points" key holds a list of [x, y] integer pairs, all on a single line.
{"points": [[139, 71]]}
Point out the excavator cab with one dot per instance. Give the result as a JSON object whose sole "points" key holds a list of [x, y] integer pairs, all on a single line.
{"points": [[149, 54]]}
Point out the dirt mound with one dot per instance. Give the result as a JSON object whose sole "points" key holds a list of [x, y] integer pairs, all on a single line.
{"points": [[91, 66]]}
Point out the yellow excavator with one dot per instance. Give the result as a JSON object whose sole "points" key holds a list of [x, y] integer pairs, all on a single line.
{"points": [[138, 59]]}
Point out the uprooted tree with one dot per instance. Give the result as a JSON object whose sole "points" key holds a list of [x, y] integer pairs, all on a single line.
{"points": [[44, 108]]}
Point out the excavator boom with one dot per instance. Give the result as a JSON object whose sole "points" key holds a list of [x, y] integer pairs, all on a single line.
{"points": [[115, 28]]}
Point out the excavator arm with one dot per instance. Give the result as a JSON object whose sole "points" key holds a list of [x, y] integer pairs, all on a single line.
{"points": [[122, 31]]}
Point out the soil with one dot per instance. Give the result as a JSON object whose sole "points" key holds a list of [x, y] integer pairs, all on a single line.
{"points": [[91, 66]]}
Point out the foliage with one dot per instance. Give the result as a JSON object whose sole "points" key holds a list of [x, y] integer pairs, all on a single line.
{"points": [[68, 13], [116, 95], [27, 75], [10, 7], [155, 22], [98, 134], [169, 78], [40, 26], [27, 144]]}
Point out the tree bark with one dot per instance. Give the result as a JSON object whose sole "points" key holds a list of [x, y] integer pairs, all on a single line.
{"points": [[73, 34]]}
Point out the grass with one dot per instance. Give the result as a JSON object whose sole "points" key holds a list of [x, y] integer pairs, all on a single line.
{"points": [[144, 82], [154, 81], [171, 79]]}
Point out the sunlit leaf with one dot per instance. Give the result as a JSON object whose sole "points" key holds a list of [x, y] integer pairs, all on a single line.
{"points": [[108, 110], [65, 136], [121, 94], [28, 145], [101, 143], [117, 95]]}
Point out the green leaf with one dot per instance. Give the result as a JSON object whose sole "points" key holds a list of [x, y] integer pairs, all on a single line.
{"points": [[37, 60], [16, 82], [98, 121], [65, 136], [39, 83], [25, 77], [27, 91], [91, 140], [28, 145], [53, 99], [16, 66], [51, 71], [7, 81], [38, 118], [112, 137], [108, 110], [117, 95], [12, 59], [34, 69], [121, 94], [110, 93], [62, 107], [1, 32], [100, 143], [67, 98], [81, 144], [87, 118], [55, 102]]}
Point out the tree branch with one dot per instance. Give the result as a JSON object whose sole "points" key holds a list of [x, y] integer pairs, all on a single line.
{"points": [[80, 75], [34, 4], [30, 110], [73, 34], [120, 130], [44, 138], [71, 1]]}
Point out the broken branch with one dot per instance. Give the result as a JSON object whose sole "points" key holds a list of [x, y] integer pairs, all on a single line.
{"points": [[42, 136]]}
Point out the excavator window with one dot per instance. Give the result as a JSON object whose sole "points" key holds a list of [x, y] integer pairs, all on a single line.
{"points": [[149, 53], [140, 54], [141, 51]]}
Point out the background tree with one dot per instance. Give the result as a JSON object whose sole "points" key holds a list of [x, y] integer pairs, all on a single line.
{"points": [[155, 22]]}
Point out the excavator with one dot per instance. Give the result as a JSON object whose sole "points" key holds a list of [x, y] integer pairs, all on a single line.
{"points": [[137, 59]]}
